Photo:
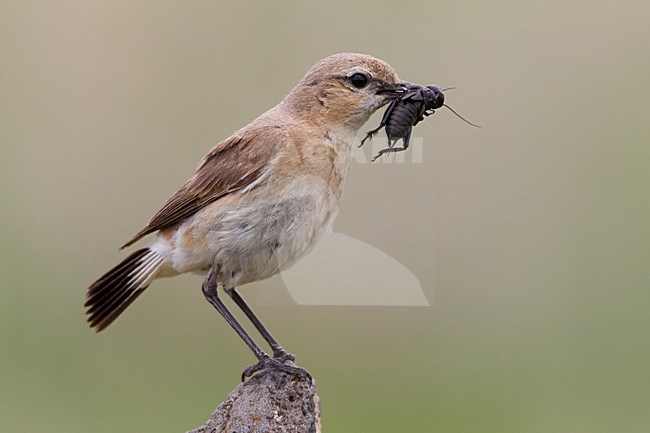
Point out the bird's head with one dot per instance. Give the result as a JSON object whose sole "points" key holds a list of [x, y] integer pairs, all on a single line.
{"points": [[345, 89]]}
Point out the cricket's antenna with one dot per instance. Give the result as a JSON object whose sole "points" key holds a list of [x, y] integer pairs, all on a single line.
{"points": [[462, 118]]}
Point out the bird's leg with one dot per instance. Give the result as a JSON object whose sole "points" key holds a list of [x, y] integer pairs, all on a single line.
{"points": [[209, 288], [278, 350], [279, 354]]}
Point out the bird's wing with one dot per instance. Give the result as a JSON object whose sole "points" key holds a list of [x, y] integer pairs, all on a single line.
{"points": [[231, 165]]}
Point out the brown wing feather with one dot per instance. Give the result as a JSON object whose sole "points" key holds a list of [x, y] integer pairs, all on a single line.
{"points": [[231, 165]]}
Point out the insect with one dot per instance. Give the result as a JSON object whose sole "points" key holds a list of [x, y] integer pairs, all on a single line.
{"points": [[404, 113]]}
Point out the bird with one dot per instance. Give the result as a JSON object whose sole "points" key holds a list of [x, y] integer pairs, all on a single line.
{"points": [[259, 200]]}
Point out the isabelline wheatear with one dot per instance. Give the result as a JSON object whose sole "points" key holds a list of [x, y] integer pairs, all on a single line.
{"points": [[260, 199]]}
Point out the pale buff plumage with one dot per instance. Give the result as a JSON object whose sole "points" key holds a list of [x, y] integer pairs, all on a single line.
{"points": [[261, 198]]}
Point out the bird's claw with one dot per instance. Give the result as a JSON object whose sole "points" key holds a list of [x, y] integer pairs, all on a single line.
{"points": [[276, 363], [283, 357]]}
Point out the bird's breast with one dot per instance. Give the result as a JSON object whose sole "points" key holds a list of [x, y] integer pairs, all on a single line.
{"points": [[257, 234]]}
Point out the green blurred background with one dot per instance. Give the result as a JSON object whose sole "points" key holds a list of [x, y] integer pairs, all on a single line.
{"points": [[530, 236]]}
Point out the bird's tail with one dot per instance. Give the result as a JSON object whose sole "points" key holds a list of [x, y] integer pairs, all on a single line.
{"points": [[116, 289]]}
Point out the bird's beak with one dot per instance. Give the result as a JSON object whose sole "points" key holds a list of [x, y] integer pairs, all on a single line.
{"points": [[395, 92], [410, 86]]}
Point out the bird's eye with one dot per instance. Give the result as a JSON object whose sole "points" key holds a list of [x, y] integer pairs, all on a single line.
{"points": [[359, 80]]}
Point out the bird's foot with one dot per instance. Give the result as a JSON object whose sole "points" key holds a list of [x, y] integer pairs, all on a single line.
{"points": [[277, 363], [284, 356]]}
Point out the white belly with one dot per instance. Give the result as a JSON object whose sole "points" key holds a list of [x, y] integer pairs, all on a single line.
{"points": [[255, 235]]}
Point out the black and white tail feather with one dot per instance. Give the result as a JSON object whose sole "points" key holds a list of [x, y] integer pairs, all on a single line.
{"points": [[119, 287]]}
